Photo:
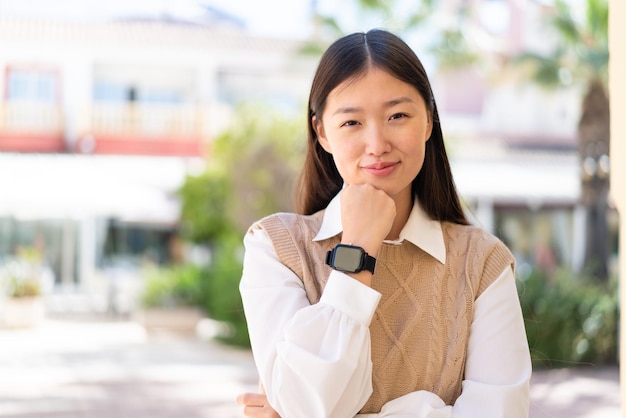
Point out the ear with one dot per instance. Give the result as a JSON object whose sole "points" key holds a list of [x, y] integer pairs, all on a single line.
{"points": [[321, 134], [429, 127]]}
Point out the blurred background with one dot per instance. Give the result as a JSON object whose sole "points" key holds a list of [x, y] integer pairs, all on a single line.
{"points": [[139, 140]]}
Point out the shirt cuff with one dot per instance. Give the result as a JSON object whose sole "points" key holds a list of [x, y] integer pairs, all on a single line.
{"points": [[351, 297]]}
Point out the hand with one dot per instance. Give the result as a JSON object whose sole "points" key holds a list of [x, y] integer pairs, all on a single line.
{"points": [[255, 405], [367, 215]]}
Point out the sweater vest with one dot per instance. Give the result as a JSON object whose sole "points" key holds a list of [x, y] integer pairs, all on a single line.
{"points": [[420, 329]]}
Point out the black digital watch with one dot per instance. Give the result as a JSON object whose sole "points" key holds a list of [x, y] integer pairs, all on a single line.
{"points": [[350, 259]]}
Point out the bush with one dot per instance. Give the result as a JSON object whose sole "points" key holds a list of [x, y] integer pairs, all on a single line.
{"points": [[213, 289], [205, 203], [173, 286], [23, 275], [222, 300], [251, 173], [569, 320]]}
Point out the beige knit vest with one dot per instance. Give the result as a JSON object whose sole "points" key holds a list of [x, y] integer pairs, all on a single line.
{"points": [[421, 326]]}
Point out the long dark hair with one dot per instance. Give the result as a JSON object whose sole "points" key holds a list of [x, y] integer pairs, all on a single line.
{"points": [[350, 57]]}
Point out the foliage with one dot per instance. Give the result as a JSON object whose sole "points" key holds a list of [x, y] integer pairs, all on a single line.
{"points": [[583, 53], [212, 289], [204, 201], [400, 16], [456, 42], [173, 286], [17, 285], [395, 15], [569, 320], [251, 173], [453, 50], [221, 300], [22, 276]]}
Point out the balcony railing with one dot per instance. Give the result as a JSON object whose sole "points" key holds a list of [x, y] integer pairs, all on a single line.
{"points": [[30, 117], [120, 128], [31, 127], [146, 120], [146, 129]]}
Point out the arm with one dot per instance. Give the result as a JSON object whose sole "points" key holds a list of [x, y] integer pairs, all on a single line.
{"points": [[313, 360], [498, 367]]}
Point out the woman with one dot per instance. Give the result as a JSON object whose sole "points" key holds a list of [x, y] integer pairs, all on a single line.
{"points": [[379, 299]]}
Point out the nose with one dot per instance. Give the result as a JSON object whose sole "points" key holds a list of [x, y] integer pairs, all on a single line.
{"points": [[376, 141]]}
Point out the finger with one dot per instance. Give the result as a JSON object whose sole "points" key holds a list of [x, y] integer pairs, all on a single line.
{"points": [[251, 399], [259, 412]]}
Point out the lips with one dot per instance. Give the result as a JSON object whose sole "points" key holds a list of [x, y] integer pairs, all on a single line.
{"points": [[381, 169]]}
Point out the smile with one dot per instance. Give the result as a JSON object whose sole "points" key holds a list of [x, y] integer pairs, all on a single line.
{"points": [[380, 169]]}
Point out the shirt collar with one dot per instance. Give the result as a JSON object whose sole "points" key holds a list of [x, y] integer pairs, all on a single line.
{"points": [[419, 229]]}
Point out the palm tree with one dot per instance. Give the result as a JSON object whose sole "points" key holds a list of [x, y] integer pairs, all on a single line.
{"points": [[582, 56], [393, 14]]}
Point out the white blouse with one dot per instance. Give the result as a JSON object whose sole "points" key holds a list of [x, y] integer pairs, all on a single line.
{"points": [[314, 360]]}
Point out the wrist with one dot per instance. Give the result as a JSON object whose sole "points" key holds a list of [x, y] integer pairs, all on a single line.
{"points": [[369, 247], [350, 259]]}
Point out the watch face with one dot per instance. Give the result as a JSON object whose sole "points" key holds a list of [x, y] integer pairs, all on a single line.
{"points": [[348, 258]]}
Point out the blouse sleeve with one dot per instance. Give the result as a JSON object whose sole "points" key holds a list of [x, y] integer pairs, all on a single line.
{"points": [[313, 360], [498, 366]]}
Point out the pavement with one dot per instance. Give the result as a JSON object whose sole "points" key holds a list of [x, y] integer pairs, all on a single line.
{"points": [[102, 368]]}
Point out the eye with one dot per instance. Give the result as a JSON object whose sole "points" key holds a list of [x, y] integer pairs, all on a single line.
{"points": [[398, 116], [350, 123]]}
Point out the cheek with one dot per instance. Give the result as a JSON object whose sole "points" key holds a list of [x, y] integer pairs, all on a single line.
{"points": [[341, 160], [412, 145], [416, 153], [344, 148], [345, 158]]}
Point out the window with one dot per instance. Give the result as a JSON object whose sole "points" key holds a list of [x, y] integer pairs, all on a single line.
{"points": [[119, 92], [32, 85]]}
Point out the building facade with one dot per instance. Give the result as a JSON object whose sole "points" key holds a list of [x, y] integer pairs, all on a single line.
{"points": [[100, 122]]}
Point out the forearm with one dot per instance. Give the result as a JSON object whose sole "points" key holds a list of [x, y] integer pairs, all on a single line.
{"points": [[314, 360]]}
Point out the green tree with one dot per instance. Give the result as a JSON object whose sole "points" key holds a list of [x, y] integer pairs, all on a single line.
{"points": [[204, 203], [581, 56], [262, 153], [395, 15], [250, 173], [581, 53]]}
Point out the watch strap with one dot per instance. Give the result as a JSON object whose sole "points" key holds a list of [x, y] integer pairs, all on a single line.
{"points": [[369, 263]]}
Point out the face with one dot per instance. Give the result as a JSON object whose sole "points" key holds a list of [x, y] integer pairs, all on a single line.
{"points": [[376, 128]]}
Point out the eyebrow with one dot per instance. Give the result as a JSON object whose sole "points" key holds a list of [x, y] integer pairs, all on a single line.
{"points": [[388, 104]]}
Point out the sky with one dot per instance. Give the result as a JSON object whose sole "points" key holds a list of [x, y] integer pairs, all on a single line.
{"points": [[280, 18], [274, 18]]}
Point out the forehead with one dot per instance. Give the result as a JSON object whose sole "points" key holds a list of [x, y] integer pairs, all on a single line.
{"points": [[374, 84]]}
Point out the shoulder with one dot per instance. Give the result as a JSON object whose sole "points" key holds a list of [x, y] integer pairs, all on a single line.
{"points": [[290, 235], [484, 255], [275, 220], [464, 237], [288, 220], [286, 224]]}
